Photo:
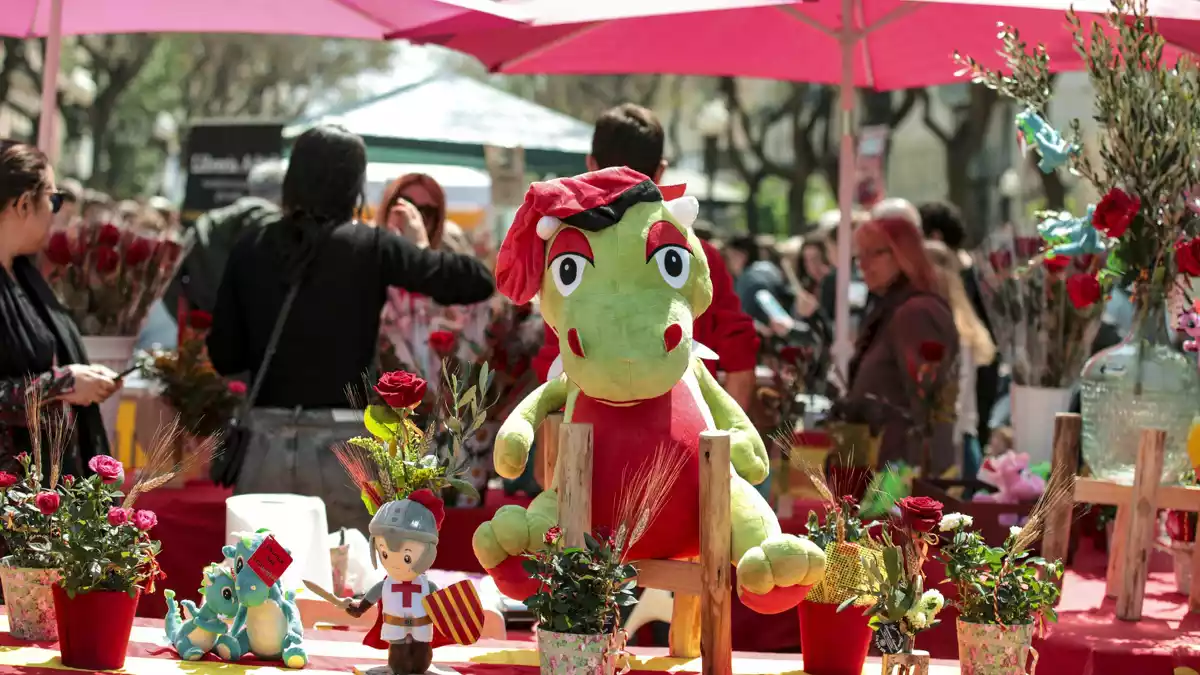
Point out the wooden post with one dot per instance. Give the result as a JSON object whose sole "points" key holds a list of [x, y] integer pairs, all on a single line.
{"points": [[1116, 551], [1056, 541], [547, 445], [916, 663], [1194, 595], [687, 620], [574, 479], [1144, 518], [716, 643]]}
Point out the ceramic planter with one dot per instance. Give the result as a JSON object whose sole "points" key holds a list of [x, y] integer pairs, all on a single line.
{"points": [[1181, 557], [989, 649], [566, 654], [833, 642], [94, 628], [29, 601]]}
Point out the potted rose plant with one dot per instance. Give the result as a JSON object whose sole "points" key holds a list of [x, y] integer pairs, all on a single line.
{"points": [[836, 642], [578, 604], [107, 560], [28, 507], [1003, 595]]}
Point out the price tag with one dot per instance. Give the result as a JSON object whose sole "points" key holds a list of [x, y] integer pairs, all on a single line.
{"points": [[270, 561]]}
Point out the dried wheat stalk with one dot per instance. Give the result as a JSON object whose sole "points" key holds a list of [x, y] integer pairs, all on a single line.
{"points": [[646, 490], [161, 466]]}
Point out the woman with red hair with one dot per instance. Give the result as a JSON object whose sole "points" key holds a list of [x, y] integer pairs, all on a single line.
{"points": [[906, 316]]}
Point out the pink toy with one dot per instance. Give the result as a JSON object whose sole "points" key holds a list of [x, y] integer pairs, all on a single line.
{"points": [[1014, 482]]}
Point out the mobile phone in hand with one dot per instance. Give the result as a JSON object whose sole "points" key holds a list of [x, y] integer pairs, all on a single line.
{"points": [[129, 372]]}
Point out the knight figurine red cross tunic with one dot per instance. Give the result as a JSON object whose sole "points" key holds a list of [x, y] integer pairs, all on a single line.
{"points": [[404, 612]]}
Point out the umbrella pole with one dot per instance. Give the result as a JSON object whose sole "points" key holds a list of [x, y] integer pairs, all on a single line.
{"points": [[48, 123], [843, 347]]}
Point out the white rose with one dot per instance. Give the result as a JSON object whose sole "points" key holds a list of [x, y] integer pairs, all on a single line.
{"points": [[932, 602], [916, 619], [1014, 531], [955, 521]]}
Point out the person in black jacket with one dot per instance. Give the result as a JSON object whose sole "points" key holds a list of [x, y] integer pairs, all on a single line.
{"points": [[40, 346], [328, 340]]}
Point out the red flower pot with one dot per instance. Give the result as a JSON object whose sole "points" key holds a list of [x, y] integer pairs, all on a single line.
{"points": [[93, 628], [833, 642]]}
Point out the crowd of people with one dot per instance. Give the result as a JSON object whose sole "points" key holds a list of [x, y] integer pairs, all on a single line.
{"points": [[308, 297]]}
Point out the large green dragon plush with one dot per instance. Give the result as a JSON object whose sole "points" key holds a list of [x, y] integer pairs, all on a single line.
{"points": [[268, 623], [621, 277], [198, 635]]}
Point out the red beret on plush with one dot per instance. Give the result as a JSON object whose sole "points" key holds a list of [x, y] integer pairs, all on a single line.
{"points": [[522, 258], [430, 501]]}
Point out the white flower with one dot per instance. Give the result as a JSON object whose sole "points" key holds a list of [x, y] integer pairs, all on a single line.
{"points": [[931, 603], [1014, 531], [955, 521], [916, 619]]}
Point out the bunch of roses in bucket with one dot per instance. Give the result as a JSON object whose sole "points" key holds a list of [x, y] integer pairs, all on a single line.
{"points": [[901, 608], [105, 543], [108, 277]]}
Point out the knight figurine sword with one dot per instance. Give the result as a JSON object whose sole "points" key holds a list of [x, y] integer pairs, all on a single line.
{"points": [[327, 596]]}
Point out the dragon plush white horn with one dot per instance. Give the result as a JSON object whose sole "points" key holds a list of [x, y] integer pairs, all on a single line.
{"points": [[547, 226], [685, 210]]}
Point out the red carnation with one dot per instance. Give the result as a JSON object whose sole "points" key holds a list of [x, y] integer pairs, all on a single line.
{"points": [[426, 498], [1056, 263], [1187, 256], [199, 319], [107, 259], [1114, 212], [920, 514], [1083, 290], [442, 342], [58, 250], [932, 352], [400, 389], [138, 251], [109, 235]]}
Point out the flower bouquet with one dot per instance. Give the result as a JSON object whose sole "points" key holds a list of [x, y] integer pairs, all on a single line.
{"points": [[29, 504], [1003, 595], [1141, 235], [108, 277], [899, 607]]}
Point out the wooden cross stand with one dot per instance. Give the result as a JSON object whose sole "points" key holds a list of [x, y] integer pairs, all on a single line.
{"points": [[701, 622], [1137, 514]]}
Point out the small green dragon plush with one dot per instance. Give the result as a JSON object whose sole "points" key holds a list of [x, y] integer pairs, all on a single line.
{"points": [[621, 277], [198, 635], [268, 623]]}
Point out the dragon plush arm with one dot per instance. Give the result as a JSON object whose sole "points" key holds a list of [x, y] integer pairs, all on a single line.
{"points": [[516, 434], [747, 452]]}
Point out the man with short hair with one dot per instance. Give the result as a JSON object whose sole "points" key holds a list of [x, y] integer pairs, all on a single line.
{"points": [[630, 135]]}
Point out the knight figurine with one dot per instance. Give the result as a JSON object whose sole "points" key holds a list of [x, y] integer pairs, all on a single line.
{"points": [[404, 539]]}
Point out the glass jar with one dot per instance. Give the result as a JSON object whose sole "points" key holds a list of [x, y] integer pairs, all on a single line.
{"points": [[1143, 382]]}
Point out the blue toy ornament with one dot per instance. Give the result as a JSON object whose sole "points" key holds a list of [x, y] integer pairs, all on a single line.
{"points": [[268, 624], [198, 635], [1053, 149], [1072, 236]]}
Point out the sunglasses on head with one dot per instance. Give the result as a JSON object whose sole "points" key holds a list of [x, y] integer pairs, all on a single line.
{"points": [[56, 200], [427, 211]]}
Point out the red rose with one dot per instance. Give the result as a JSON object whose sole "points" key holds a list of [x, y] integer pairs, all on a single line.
{"points": [[171, 251], [791, 354], [1187, 256], [46, 502], [109, 235], [199, 319], [117, 516], [932, 352], [1027, 247], [138, 251], [69, 480], [400, 389], [552, 535], [442, 342], [1083, 289], [144, 520], [7, 480], [108, 468], [107, 259], [58, 250], [920, 514], [1114, 212], [23, 458], [1001, 260], [237, 388], [1056, 263], [604, 534]]}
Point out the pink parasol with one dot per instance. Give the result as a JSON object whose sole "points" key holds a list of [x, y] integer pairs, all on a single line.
{"points": [[877, 44]]}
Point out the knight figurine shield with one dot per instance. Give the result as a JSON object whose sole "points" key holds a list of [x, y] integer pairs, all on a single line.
{"points": [[457, 612]]}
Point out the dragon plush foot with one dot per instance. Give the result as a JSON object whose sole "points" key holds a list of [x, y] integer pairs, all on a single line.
{"points": [[500, 542], [776, 575]]}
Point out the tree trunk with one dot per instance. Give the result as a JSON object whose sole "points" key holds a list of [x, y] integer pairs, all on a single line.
{"points": [[797, 192], [754, 183], [959, 189], [1052, 187]]}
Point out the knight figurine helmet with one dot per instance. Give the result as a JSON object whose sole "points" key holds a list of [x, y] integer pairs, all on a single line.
{"points": [[416, 518]]}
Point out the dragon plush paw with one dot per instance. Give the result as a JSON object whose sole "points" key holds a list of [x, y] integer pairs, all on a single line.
{"points": [[776, 575], [500, 542]]}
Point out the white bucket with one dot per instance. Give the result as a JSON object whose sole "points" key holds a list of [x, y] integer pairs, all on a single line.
{"points": [[1033, 412], [115, 353]]}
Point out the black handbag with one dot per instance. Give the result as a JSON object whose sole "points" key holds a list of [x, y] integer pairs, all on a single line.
{"points": [[227, 466]]}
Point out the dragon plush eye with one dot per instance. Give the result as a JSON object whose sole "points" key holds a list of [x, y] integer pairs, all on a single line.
{"points": [[567, 270], [673, 263], [238, 564], [227, 593]]}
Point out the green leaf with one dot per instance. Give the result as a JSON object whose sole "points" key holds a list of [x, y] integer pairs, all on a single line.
{"points": [[468, 395], [463, 487], [383, 423]]}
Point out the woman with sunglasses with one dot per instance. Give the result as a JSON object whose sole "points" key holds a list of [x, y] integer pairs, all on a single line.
{"points": [[40, 346]]}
